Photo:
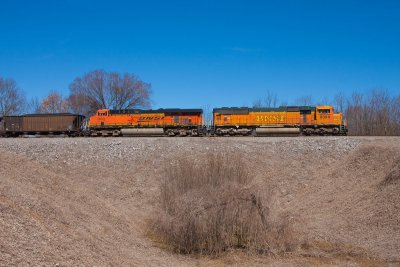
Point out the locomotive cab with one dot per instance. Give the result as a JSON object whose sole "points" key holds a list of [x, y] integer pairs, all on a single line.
{"points": [[324, 115], [103, 112], [99, 118]]}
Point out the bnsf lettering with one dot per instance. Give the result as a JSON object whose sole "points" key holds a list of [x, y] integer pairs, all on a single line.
{"points": [[149, 118], [270, 118]]}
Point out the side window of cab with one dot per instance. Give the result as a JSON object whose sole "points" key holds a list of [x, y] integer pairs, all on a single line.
{"points": [[324, 111], [102, 113]]}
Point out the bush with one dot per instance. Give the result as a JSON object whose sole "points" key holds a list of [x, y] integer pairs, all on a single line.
{"points": [[213, 205]]}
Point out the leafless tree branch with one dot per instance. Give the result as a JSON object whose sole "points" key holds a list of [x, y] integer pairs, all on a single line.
{"points": [[12, 99], [99, 89]]}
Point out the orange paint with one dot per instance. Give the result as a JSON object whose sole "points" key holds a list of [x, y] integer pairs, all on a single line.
{"points": [[145, 119], [321, 115]]}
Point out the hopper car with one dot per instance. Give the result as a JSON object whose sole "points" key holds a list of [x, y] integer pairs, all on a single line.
{"points": [[287, 120], [42, 124]]}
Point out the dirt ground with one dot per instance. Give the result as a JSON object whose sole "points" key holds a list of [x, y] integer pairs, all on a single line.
{"points": [[87, 201]]}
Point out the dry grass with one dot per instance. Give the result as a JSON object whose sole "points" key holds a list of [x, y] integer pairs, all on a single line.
{"points": [[212, 205], [322, 252], [394, 175]]}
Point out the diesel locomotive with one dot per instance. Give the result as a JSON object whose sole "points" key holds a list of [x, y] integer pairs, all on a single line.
{"points": [[150, 122], [288, 120]]}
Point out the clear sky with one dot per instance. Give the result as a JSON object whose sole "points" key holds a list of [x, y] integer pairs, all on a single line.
{"points": [[205, 52]]}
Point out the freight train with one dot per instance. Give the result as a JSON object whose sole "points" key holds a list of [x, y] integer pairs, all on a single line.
{"points": [[288, 120]]}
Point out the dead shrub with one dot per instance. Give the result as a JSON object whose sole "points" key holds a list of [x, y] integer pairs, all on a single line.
{"points": [[212, 205]]}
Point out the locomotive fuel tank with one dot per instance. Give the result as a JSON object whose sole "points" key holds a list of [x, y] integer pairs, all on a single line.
{"points": [[277, 131], [142, 132]]}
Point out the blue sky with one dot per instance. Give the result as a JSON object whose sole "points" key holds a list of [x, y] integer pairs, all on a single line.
{"points": [[204, 52]]}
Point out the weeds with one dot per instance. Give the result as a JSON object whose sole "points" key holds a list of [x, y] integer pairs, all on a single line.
{"points": [[213, 205]]}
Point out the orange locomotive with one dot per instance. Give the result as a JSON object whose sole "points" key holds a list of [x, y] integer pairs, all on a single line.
{"points": [[139, 122], [319, 120]]}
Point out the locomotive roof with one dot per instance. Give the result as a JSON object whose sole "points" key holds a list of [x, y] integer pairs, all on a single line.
{"points": [[161, 110], [246, 110]]}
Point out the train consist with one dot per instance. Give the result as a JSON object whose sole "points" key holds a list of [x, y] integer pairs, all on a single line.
{"points": [[290, 120]]}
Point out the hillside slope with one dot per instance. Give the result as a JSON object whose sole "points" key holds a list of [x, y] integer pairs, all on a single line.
{"points": [[87, 201]]}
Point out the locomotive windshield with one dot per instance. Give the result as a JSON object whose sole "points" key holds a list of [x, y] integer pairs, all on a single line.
{"points": [[102, 113], [324, 111]]}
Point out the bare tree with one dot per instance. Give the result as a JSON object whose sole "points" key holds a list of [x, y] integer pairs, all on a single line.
{"points": [[99, 89], [304, 100], [376, 113], [257, 103], [53, 103], [395, 114], [324, 101], [89, 91], [284, 103], [270, 101], [12, 99], [379, 108], [127, 91], [77, 104], [354, 114], [339, 102], [33, 105]]}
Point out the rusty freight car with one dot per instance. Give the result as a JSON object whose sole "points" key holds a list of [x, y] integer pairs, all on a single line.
{"points": [[42, 124]]}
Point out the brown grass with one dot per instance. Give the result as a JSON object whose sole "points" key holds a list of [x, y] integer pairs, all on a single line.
{"points": [[322, 252], [212, 205], [394, 175]]}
